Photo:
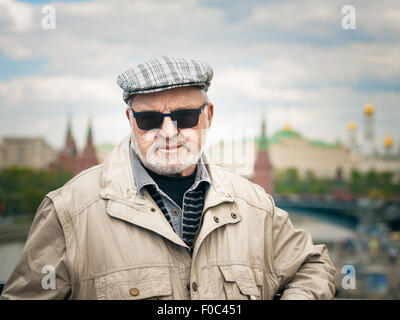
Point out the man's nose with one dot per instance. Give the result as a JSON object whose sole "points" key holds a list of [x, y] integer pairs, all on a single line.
{"points": [[168, 128]]}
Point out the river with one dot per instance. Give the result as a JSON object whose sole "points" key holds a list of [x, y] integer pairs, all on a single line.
{"points": [[10, 253]]}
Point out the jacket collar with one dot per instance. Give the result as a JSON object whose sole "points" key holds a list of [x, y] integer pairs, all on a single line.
{"points": [[218, 192], [142, 178], [116, 181], [117, 184]]}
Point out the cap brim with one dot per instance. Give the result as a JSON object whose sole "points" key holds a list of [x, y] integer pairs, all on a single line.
{"points": [[127, 94]]}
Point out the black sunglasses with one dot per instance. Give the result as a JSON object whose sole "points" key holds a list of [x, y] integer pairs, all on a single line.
{"points": [[185, 118]]}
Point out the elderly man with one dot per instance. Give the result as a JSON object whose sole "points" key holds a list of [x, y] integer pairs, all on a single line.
{"points": [[156, 221]]}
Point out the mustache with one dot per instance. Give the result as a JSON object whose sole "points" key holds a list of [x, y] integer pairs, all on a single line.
{"points": [[162, 143]]}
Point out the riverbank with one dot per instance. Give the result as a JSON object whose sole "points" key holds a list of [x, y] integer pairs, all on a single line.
{"points": [[14, 232]]}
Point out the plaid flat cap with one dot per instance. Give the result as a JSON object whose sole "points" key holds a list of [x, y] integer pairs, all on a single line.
{"points": [[164, 73]]}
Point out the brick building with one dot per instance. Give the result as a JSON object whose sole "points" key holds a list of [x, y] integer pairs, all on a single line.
{"points": [[69, 158]]}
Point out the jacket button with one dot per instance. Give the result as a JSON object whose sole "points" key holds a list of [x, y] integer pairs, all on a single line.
{"points": [[153, 209], [188, 287], [216, 219], [194, 286], [134, 292], [233, 215], [175, 212]]}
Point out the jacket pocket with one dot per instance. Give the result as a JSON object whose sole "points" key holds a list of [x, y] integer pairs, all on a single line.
{"points": [[135, 284], [241, 282]]}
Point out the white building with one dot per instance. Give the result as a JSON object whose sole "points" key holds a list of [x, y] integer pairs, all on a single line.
{"points": [[33, 153], [288, 149]]}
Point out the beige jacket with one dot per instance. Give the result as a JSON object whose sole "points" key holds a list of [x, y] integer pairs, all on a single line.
{"points": [[106, 241]]}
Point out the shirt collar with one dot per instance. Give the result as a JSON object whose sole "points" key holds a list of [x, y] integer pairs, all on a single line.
{"points": [[142, 178]]}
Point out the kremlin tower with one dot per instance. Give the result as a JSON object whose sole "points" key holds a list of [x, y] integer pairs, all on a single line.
{"points": [[388, 144], [369, 148], [262, 166], [69, 158], [88, 158], [352, 136]]}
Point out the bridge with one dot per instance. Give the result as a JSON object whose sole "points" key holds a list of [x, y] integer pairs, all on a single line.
{"points": [[344, 212]]}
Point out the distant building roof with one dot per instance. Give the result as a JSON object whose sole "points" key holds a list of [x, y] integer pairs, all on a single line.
{"points": [[278, 136], [322, 144], [287, 132]]}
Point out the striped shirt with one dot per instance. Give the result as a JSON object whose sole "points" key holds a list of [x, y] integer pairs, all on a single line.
{"points": [[185, 221]]}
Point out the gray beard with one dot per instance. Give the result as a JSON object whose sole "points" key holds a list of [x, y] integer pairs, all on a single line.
{"points": [[158, 164]]}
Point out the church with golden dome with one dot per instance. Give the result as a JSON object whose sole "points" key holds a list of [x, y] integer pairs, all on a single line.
{"points": [[256, 157], [287, 148]]}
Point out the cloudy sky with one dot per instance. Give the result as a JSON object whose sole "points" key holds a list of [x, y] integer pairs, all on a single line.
{"points": [[289, 59]]}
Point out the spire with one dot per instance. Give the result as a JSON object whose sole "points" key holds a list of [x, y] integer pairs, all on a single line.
{"points": [[70, 146], [263, 143], [263, 127], [69, 125], [68, 158], [88, 157], [263, 175], [89, 138]]}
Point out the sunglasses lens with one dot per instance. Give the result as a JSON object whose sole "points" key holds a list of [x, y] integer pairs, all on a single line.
{"points": [[149, 120], [186, 118], [153, 120]]}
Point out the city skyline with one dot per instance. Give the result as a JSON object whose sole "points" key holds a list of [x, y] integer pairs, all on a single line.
{"points": [[351, 143], [290, 58], [357, 130]]}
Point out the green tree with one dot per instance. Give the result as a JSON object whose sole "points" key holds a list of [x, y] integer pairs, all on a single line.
{"points": [[373, 184], [22, 189], [356, 184], [288, 182]]}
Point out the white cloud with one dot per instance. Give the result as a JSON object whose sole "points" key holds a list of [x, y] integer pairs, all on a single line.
{"points": [[41, 90], [96, 40], [19, 14], [312, 17], [295, 15]]}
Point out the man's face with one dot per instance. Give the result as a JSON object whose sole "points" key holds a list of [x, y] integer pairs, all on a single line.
{"points": [[169, 150]]}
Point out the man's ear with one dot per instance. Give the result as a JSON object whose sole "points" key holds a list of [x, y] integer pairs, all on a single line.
{"points": [[127, 114], [210, 113]]}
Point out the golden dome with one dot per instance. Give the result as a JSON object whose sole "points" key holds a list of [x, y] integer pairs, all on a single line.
{"points": [[369, 109], [287, 127], [388, 142], [352, 126]]}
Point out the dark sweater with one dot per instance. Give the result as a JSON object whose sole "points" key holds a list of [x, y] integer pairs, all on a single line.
{"points": [[174, 187]]}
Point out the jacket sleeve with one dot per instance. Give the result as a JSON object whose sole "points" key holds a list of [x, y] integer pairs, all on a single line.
{"points": [[304, 270], [43, 260]]}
